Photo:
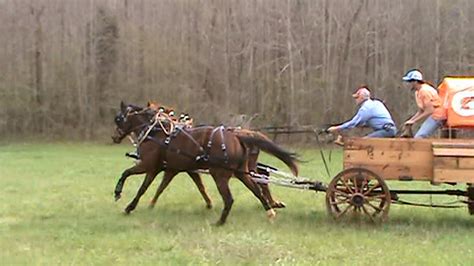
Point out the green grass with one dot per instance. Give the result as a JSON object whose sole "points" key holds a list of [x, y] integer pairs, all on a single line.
{"points": [[57, 207]]}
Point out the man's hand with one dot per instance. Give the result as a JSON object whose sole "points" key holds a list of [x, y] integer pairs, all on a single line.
{"points": [[332, 129], [409, 123], [406, 131]]}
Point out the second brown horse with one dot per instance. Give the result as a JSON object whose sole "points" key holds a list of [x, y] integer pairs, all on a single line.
{"points": [[221, 151]]}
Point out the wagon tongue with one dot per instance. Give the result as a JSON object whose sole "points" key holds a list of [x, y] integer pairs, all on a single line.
{"points": [[263, 166]]}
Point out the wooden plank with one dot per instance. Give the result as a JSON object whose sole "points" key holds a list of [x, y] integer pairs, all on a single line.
{"points": [[466, 163], [453, 175], [456, 152], [465, 144], [445, 162], [387, 144], [448, 141], [395, 172], [442, 162], [389, 157]]}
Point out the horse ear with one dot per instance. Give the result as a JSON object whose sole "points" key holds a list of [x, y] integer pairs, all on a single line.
{"points": [[152, 104], [122, 106]]}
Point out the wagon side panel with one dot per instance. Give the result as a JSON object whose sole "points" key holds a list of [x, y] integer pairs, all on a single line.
{"points": [[453, 161], [392, 159]]}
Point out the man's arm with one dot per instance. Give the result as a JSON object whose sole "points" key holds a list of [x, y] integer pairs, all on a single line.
{"points": [[421, 114], [414, 117], [360, 117], [426, 112]]}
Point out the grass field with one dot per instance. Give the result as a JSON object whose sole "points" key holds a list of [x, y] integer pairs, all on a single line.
{"points": [[57, 207]]}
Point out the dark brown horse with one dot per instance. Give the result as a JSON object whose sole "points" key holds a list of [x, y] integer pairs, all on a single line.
{"points": [[138, 125], [220, 151]]}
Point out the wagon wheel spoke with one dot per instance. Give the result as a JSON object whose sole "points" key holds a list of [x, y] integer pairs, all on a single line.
{"points": [[365, 184], [347, 185], [356, 209], [341, 193], [358, 183], [375, 197], [368, 213], [378, 209], [343, 212], [342, 197], [347, 200], [355, 183], [356, 213], [342, 187], [372, 184], [372, 189]]}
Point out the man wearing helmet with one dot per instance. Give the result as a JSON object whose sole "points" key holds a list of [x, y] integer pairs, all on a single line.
{"points": [[371, 113], [428, 102]]}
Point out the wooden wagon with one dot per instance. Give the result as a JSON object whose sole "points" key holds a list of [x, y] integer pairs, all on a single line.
{"points": [[368, 163]]}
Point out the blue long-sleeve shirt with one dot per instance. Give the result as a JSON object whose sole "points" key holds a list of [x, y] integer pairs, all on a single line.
{"points": [[372, 113]]}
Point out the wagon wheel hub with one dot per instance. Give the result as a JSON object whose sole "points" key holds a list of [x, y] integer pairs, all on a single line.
{"points": [[357, 199]]}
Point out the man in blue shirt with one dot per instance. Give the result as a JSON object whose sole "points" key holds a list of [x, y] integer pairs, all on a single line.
{"points": [[371, 113]]}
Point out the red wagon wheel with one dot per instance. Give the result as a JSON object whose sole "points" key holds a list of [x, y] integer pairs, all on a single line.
{"points": [[357, 192]]}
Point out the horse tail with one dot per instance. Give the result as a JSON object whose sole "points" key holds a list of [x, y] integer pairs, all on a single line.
{"points": [[250, 133], [268, 146]]}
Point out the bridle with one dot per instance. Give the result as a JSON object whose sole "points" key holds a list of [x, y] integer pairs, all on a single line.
{"points": [[124, 117], [144, 128]]}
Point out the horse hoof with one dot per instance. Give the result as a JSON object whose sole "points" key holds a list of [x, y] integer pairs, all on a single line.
{"points": [[279, 205], [219, 223], [117, 196], [128, 210], [209, 206], [271, 214], [151, 206]]}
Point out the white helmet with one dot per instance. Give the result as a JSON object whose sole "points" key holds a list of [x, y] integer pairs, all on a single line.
{"points": [[413, 74]]}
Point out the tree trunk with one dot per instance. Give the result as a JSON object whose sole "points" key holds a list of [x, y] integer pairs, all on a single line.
{"points": [[39, 89]]}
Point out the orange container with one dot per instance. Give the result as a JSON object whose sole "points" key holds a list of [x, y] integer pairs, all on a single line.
{"points": [[457, 94]]}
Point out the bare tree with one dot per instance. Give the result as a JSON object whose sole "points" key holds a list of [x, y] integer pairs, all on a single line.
{"points": [[66, 64]]}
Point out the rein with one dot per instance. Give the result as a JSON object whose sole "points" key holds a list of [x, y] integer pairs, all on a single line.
{"points": [[142, 136], [137, 142], [158, 120], [158, 117]]}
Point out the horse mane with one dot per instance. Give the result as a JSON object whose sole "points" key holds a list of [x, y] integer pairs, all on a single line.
{"points": [[155, 106], [135, 107]]}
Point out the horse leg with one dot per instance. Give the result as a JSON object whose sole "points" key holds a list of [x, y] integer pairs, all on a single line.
{"points": [[222, 183], [252, 165], [268, 195], [202, 189], [168, 176], [150, 176], [248, 182], [135, 170]]}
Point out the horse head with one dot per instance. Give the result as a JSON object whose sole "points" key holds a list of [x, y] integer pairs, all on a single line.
{"points": [[131, 119]]}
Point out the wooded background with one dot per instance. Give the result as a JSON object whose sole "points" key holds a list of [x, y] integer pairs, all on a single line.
{"points": [[65, 65]]}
